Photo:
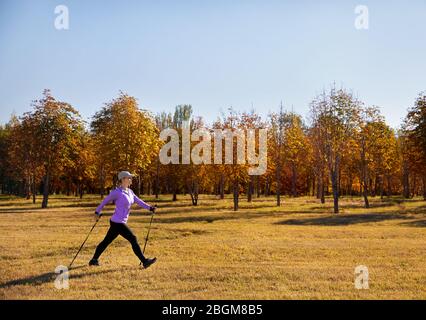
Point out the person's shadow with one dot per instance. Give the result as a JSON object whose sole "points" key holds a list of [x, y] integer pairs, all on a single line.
{"points": [[50, 277]]}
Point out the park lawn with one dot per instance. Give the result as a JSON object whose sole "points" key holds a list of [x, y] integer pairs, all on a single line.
{"points": [[298, 251]]}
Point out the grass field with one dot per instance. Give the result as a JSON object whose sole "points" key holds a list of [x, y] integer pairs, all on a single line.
{"points": [[298, 251]]}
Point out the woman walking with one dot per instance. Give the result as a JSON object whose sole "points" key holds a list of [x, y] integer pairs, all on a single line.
{"points": [[124, 198]]}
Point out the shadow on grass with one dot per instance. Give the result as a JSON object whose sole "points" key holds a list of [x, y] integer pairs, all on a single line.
{"points": [[421, 209], [417, 223], [50, 277], [161, 211], [15, 204], [212, 218], [20, 210], [344, 219], [326, 218], [93, 205], [372, 205], [31, 207]]}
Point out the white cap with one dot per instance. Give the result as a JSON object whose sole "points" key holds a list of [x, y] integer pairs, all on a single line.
{"points": [[124, 174]]}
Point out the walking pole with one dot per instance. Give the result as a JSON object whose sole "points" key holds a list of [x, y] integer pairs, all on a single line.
{"points": [[84, 241], [149, 229]]}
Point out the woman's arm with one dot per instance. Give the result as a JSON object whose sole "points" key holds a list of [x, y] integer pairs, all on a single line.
{"points": [[112, 196], [141, 203]]}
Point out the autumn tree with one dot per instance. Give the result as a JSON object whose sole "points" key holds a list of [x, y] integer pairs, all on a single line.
{"points": [[163, 121], [24, 154], [316, 137], [219, 168], [229, 140], [335, 116], [251, 121], [182, 124], [52, 128], [276, 144], [126, 139], [80, 170], [415, 128], [195, 172], [5, 156], [296, 148]]}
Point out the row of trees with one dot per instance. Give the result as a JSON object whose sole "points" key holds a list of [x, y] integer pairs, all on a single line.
{"points": [[345, 148]]}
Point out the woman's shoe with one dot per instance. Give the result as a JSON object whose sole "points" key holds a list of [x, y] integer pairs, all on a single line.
{"points": [[148, 262], [94, 262]]}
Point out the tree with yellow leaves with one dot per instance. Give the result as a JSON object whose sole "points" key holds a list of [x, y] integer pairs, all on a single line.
{"points": [[126, 138], [415, 131], [335, 118], [52, 129]]}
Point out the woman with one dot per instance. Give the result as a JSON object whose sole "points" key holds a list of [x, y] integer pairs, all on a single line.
{"points": [[124, 198]]}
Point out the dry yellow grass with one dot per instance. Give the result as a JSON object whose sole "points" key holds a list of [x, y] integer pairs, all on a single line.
{"points": [[298, 251]]}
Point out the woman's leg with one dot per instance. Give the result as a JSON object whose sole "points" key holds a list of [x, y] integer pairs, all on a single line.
{"points": [[127, 233], [112, 233]]}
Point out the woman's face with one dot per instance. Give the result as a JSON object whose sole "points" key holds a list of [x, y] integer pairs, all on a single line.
{"points": [[126, 182]]}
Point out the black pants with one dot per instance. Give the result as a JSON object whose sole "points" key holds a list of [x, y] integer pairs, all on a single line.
{"points": [[114, 231]]}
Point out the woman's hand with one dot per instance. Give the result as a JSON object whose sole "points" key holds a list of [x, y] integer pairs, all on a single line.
{"points": [[97, 215], [152, 209]]}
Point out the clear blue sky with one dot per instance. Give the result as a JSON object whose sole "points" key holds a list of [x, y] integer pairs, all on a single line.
{"points": [[211, 54]]}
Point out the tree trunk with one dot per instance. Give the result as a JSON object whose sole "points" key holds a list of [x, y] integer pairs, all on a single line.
{"points": [[45, 190], [194, 192], [320, 187], [28, 188], [350, 186], [250, 188], [175, 192], [317, 191], [389, 191], [327, 187], [293, 180], [424, 186], [365, 187], [222, 186], [236, 194], [265, 189], [364, 178], [365, 195], [258, 186], [414, 186], [142, 186], [278, 177], [334, 186], [405, 181], [68, 186], [377, 185], [102, 181], [33, 189], [138, 184], [339, 183], [157, 178]]}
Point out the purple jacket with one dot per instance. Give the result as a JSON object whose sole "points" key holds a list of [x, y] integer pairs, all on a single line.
{"points": [[123, 202]]}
